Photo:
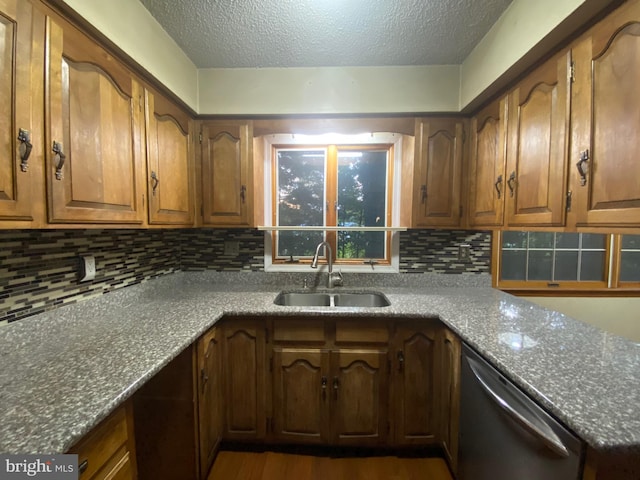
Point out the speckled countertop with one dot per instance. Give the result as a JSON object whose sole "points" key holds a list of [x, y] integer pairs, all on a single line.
{"points": [[62, 372]]}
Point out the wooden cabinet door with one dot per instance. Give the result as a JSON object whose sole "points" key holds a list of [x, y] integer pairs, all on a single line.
{"points": [[226, 180], [606, 122], [438, 173], [359, 391], [487, 182], [244, 376], [16, 97], [414, 393], [210, 398], [94, 163], [537, 156], [301, 392], [169, 162], [449, 397]]}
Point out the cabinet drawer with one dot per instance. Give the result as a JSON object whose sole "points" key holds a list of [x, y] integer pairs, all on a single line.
{"points": [[298, 330], [354, 331], [105, 448]]}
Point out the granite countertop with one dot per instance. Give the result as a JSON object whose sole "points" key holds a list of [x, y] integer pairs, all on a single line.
{"points": [[63, 371]]}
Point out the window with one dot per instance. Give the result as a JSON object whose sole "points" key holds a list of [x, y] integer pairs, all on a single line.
{"points": [[339, 192], [566, 261]]}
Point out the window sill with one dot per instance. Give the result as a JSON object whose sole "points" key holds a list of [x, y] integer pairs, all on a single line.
{"points": [[305, 268]]}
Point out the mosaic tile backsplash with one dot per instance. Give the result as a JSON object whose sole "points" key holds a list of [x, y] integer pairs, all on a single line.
{"points": [[39, 268]]}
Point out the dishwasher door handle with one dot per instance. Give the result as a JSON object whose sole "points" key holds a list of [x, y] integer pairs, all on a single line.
{"points": [[535, 426]]}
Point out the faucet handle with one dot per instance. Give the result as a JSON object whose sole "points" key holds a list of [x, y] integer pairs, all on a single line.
{"points": [[335, 279]]}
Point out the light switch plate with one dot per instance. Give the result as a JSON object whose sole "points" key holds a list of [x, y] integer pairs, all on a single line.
{"points": [[464, 252]]}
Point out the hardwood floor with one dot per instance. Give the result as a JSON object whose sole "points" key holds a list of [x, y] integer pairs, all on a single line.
{"points": [[231, 465]]}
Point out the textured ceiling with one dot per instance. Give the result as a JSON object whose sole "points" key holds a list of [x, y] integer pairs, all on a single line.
{"points": [[320, 33]]}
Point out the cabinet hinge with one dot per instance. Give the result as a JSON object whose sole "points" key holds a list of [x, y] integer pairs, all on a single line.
{"points": [[200, 137], [569, 195], [464, 136], [572, 72]]}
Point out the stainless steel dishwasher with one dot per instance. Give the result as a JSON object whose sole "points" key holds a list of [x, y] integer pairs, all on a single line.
{"points": [[504, 435]]}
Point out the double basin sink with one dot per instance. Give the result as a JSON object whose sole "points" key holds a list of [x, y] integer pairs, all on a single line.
{"points": [[330, 299]]}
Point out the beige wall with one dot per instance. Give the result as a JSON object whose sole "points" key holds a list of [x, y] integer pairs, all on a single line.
{"points": [[326, 90], [516, 32], [329, 90], [620, 316], [130, 26]]}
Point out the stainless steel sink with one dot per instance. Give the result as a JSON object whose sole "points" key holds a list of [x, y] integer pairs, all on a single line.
{"points": [[361, 299], [303, 299], [347, 299]]}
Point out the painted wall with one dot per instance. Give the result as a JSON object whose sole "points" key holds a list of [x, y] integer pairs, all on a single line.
{"points": [[329, 90], [130, 26], [516, 32], [616, 315]]}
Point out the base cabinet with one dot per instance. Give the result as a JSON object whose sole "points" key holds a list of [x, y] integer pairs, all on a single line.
{"points": [[210, 397], [414, 384], [108, 451], [244, 379]]}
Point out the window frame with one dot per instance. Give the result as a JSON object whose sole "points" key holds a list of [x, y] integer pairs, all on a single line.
{"points": [[610, 286], [391, 142]]}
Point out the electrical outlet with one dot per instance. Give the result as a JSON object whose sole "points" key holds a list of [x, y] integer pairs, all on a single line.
{"points": [[464, 252], [232, 247], [87, 268]]}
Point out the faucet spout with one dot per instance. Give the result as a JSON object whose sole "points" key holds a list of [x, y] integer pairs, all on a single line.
{"points": [[334, 279], [329, 256]]}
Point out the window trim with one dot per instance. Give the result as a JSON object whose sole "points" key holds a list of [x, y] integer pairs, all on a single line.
{"points": [[610, 286], [392, 141]]}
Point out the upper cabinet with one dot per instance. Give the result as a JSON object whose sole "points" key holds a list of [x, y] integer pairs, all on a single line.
{"points": [[227, 152], [605, 177], [19, 147], [487, 182], [170, 164], [437, 172], [93, 145], [538, 146]]}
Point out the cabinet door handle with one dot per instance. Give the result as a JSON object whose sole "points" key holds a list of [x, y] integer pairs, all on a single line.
{"points": [[83, 466], [204, 378], [423, 193], [154, 183], [25, 148], [61, 157], [498, 186], [336, 384], [511, 183], [323, 383], [583, 167], [243, 193], [400, 360]]}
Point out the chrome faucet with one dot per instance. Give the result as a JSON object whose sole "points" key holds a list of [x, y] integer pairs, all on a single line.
{"points": [[335, 278]]}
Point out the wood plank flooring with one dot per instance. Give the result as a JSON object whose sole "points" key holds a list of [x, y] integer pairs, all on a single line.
{"points": [[230, 465]]}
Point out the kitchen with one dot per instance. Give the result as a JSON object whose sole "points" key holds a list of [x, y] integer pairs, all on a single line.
{"points": [[173, 250]]}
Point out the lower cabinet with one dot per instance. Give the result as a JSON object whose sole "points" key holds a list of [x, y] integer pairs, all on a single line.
{"points": [[210, 397], [244, 379], [414, 383], [108, 451]]}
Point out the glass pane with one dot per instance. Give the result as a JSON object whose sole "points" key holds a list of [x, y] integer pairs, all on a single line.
{"points": [[631, 242], [594, 240], [361, 244], [514, 264], [592, 266], [540, 240], [630, 267], [514, 240], [567, 240], [566, 266], [300, 190], [540, 265], [362, 200]]}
